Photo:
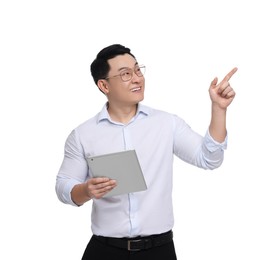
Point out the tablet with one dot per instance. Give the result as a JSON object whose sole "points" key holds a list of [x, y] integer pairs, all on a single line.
{"points": [[123, 167]]}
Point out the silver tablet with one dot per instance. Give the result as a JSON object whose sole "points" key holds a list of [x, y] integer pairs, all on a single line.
{"points": [[123, 167]]}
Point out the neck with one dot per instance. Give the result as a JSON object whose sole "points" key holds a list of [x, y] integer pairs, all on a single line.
{"points": [[122, 114]]}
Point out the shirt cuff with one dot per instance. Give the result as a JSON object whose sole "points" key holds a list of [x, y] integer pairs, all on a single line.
{"points": [[67, 190], [213, 145]]}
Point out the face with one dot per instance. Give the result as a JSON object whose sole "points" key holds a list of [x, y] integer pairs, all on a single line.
{"points": [[119, 92]]}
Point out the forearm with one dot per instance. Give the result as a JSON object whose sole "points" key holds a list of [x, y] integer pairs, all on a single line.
{"points": [[79, 194], [217, 127]]}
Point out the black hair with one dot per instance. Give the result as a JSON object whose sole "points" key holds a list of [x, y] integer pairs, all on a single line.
{"points": [[99, 67]]}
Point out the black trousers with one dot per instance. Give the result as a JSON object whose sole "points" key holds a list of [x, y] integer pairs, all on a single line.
{"points": [[96, 250]]}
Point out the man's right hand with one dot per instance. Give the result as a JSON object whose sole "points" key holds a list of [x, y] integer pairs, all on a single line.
{"points": [[98, 187]]}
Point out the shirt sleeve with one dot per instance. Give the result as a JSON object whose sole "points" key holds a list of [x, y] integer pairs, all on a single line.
{"points": [[212, 152], [73, 170], [201, 151]]}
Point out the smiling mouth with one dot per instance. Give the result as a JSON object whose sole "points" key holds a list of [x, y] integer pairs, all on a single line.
{"points": [[136, 89]]}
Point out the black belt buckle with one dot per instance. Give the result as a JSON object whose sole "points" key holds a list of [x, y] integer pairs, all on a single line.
{"points": [[129, 246]]}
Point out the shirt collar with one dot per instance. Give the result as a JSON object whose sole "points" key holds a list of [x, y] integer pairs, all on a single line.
{"points": [[104, 115]]}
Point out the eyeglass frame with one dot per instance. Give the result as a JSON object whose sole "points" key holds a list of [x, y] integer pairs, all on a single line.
{"points": [[131, 72]]}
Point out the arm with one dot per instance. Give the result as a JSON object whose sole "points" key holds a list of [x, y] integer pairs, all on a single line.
{"points": [[221, 96], [73, 183], [92, 188]]}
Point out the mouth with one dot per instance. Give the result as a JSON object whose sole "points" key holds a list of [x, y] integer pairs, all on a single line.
{"points": [[136, 89]]}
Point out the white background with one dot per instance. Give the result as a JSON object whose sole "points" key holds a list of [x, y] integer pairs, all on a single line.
{"points": [[46, 48]]}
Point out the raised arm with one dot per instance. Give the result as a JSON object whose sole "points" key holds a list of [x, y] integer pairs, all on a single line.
{"points": [[221, 95]]}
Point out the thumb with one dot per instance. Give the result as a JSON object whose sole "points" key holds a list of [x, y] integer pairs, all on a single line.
{"points": [[214, 82]]}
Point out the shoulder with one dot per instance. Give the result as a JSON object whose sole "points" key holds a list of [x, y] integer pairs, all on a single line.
{"points": [[87, 124], [163, 118], [93, 121], [159, 114]]}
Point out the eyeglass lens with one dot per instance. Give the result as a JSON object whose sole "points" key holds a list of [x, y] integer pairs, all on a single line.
{"points": [[128, 74]]}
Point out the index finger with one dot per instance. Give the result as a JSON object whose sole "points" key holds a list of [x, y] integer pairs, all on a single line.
{"points": [[97, 180], [230, 74]]}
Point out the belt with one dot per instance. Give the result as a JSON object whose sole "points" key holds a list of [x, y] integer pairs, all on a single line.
{"points": [[137, 243]]}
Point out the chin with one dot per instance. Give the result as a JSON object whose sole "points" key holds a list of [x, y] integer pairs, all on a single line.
{"points": [[137, 99], [140, 99]]}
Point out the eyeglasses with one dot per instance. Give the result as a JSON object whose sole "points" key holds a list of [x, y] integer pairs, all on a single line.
{"points": [[127, 73]]}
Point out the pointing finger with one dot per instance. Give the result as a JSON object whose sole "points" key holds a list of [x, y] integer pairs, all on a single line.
{"points": [[230, 74]]}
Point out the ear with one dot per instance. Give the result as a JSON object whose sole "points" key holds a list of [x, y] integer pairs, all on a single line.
{"points": [[103, 86]]}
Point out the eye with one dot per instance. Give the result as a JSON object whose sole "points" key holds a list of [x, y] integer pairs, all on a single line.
{"points": [[125, 73]]}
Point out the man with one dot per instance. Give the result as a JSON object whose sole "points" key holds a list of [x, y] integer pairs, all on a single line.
{"points": [[136, 225]]}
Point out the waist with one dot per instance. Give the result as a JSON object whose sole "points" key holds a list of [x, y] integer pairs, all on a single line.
{"points": [[137, 243]]}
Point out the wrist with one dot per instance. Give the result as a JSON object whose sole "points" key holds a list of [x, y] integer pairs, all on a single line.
{"points": [[218, 109]]}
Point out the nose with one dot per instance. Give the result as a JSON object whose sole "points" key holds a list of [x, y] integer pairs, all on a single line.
{"points": [[136, 78]]}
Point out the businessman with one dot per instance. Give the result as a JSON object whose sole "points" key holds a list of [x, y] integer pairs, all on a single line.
{"points": [[136, 225]]}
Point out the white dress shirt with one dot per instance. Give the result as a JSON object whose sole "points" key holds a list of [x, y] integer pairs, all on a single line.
{"points": [[156, 136]]}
